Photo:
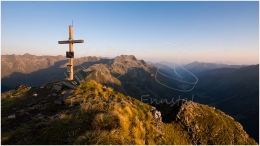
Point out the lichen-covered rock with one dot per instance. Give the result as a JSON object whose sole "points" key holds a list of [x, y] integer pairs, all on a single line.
{"points": [[157, 115], [57, 87]]}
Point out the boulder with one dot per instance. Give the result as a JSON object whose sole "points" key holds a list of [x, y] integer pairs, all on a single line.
{"points": [[21, 87], [31, 104], [58, 101], [66, 95], [57, 87], [11, 117], [69, 85]]}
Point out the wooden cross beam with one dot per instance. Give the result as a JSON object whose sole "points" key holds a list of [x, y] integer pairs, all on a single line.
{"points": [[70, 42]]}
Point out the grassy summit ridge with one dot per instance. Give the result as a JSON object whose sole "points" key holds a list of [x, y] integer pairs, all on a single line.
{"points": [[95, 114]]}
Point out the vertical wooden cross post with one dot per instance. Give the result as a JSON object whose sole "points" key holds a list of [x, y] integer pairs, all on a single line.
{"points": [[70, 54]]}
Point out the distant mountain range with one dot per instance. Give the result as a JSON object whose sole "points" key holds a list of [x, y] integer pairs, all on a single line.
{"points": [[197, 67], [231, 88]]}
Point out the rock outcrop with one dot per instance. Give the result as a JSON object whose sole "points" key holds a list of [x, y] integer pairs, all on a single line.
{"points": [[207, 125], [158, 118]]}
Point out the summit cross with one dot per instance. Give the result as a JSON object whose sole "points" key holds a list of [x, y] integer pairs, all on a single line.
{"points": [[70, 54]]}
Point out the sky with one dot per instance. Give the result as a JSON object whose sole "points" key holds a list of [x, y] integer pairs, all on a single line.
{"points": [[157, 31]]}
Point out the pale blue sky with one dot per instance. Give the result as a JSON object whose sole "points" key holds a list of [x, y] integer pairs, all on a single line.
{"points": [[216, 31]]}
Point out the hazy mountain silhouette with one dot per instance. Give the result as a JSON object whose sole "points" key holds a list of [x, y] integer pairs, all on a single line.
{"points": [[197, 67]]}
